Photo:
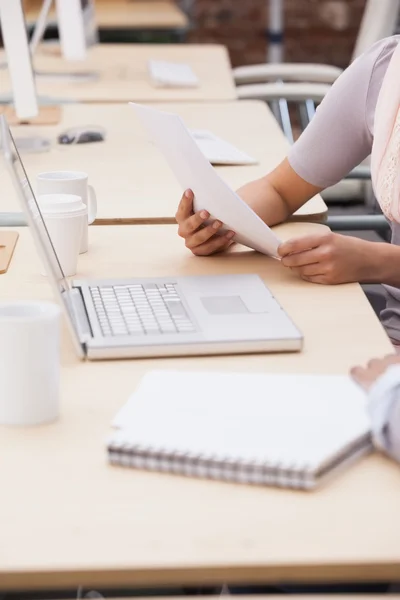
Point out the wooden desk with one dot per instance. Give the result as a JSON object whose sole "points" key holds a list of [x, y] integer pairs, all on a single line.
{"points": [[123, 74], [299, 596], [136, 14], [68, 518], [126, 14], [279, 597], [133, 181]]}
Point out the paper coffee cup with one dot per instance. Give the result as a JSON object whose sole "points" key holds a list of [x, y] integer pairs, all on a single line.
{"points": [[75, 183], [64, 216]]}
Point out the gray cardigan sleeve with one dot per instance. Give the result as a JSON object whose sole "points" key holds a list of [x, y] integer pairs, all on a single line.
{"points": [[340, 135], [384, 408]]}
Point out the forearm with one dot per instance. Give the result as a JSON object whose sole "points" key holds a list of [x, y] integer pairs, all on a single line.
{"points": [[266, 202], [278, 195]]}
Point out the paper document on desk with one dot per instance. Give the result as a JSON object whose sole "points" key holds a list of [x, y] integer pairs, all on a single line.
{"points": [[194, 171]]}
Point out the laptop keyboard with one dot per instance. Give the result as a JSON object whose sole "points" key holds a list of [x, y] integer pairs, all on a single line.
{"points": [[140, 309], [172, 74], [218, 151]]}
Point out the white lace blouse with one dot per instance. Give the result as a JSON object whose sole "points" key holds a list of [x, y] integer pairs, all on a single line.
{"points": [[339, 137]]}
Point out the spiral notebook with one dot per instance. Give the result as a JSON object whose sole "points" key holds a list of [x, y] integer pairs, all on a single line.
{"points": [[283, 430]]}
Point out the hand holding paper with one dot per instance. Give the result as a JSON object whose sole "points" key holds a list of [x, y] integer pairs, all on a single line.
{"points": [[211, 193]]}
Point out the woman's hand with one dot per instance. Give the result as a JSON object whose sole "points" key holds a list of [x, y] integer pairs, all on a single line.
{"points": [[328, 258], [201, 239], [367, 376]]}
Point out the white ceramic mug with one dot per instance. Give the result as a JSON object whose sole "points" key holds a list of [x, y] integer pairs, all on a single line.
{"points": [[65, 216], [70, 182], [29, 363]]}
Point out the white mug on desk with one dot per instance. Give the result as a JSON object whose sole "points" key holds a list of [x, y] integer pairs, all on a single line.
{"points": [[29, 363], [70, 182]]}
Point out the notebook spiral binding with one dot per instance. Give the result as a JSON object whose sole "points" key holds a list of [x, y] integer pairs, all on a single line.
{"points": [[211, 467]]}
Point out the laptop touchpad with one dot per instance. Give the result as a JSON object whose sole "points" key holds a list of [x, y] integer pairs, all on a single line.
{"points": [[224, 305]]}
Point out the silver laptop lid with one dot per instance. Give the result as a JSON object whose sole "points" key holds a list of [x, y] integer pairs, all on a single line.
{"points": [[39, 231]]}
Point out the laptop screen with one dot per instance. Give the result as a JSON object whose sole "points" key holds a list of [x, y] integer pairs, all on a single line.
{"points": [[38, 228]]}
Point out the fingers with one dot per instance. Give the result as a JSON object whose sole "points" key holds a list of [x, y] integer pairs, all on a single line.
{"points": [[218, 243], [362, 377], [357, 373], [312, 274], [201, 239], [202, 235], [365, 378], [318, 279], [378, 364], [189, 225], [375, 364], [376, 367], [190, 222], [308, 257], [303, 243], [185, 208], [313, 270]]}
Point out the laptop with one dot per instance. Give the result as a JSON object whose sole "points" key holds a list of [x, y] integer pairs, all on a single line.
{"points": [[155, 317], [168, 74], [218, 151]]}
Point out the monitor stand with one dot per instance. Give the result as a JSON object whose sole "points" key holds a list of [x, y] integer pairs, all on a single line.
{"points": [[74, 77], [38, 37], [48, 115], [32, 145]]}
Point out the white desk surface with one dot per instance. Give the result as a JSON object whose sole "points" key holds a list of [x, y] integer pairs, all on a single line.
{"points": [[67, 518], [123, 74], [127, 14], [132, 179]]}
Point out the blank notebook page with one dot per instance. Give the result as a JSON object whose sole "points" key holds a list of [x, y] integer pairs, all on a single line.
{"points": [[289, 419]]}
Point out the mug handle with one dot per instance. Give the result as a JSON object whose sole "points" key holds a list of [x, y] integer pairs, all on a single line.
{"points": [[92, 205]]}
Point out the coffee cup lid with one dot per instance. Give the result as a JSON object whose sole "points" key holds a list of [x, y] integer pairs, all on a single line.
{"points": [[60, 203], [64, 215]]}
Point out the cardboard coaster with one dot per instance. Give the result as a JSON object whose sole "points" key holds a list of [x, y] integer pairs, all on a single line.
{"points": [[8, 241], [48, 115]]}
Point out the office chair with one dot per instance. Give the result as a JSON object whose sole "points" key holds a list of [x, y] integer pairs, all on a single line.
{"points": [[379, 21], [307, 84]]}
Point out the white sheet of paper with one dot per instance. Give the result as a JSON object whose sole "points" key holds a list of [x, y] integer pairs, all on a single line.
{"points": [[194, 171]]}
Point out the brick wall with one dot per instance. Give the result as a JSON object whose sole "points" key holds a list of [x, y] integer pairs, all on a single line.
{"points": [[315, 30]]}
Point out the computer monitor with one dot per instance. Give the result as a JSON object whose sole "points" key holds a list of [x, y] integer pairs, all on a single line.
{"points": [[77, 30], [77, 27], [19, 63]]}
